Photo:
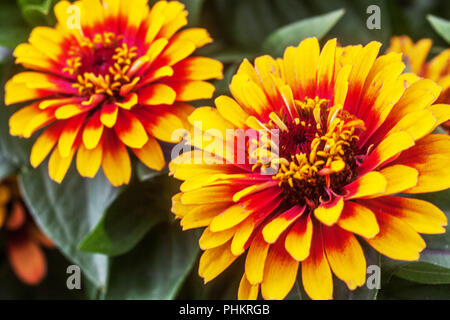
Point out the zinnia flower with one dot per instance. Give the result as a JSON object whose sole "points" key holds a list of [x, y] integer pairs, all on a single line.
{"points": [[22, 237], [437, 69], [116, 80], [353, 131]]}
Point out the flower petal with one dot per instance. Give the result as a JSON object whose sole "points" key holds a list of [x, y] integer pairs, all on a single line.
{"points": [[298, 240], [27, 259], [280, 272], [358, 219], [214, 261], [45, 143], [370, 184], [422, 216], [247, 291], [329, 213], [116, 162], [316, 273], [130, 130], [396, 239], [89, 160], [280, 223], [256, 258], [388, 148], [399, 178], [151, 154], [345, 256]]}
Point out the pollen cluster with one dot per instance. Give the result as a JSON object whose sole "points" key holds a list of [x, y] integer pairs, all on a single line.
{"points": [[101, 65]]}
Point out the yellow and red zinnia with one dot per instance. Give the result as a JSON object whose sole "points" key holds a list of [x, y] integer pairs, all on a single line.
{"points": [[353, 132], [112, 74]]}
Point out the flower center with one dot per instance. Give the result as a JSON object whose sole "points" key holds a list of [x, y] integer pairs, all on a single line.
{"points": [[317, 153], [101, 65]]}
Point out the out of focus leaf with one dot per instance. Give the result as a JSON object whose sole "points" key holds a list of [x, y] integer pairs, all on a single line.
{"points": [[293, 33], [6, 167], [68, 212], [441, 26], [156, 268], [37, 12], [247, 23], [13, 28], [222, 86], [400, 289], [424, 273], [233, 56], [142, 206], [145, 173], [194, 7]]}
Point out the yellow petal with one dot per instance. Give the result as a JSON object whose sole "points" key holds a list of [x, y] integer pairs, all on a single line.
{"points": [[358, 219], [396, 238], [298, 240], [370, 184], [280, 272], [256, 258], [316, 273], [279, 224], [89, 161], [422, 216], [214, 261], [151, 154], [345, 256], [247, 291]]}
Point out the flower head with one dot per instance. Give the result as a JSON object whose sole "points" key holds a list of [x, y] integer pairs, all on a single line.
{"points": [[112, 74], [24, 240], [415, 55], [340, 132]]}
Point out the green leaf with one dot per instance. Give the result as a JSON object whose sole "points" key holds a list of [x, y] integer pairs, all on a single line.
{"points": [[69, 211], [423, 272], [441, 26], [400, 289], [38, 12], [13, 28], [293, 33], [6, 167], [233, 55], [145, 173], [142, 206], [157, 267]]}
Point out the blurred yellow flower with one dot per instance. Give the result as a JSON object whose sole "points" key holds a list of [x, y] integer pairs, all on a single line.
{"points": [[112, 78]]}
